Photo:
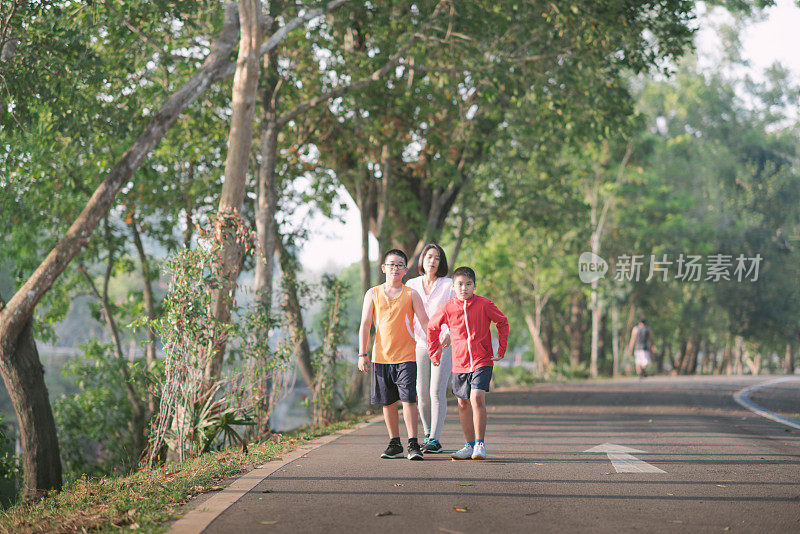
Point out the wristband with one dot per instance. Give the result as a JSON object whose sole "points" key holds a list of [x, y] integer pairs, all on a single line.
{"points": [[364, 355]]}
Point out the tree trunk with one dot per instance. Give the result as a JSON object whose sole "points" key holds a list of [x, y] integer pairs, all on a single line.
{"points": [[266, 232], [701, 361], [462, 223], [726, 364], [753, 362], [23, 376], [325, 383], [739, 356], [688, 362], [681, 356], [575, 329], [188, 209], [615, 335], [228, 265], [364, 202], [294, 314], [548, 336], [597, 217], [150, 308], [383, 231], [534, 323], [359, 382], [595, 306], [788, 360]]}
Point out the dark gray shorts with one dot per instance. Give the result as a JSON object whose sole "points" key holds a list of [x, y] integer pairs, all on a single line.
{"points": [[392, 382], [463, 383]]}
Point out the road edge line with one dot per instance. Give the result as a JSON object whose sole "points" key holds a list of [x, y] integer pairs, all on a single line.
{"points": [[742, 397], [200, 517]]}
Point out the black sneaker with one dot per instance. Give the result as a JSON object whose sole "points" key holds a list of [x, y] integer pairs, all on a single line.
{"points": [[394, 450], [414, 452], [432, 445]]}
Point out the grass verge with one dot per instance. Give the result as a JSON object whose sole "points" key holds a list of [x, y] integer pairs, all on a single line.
{"points": [[145, 500]]}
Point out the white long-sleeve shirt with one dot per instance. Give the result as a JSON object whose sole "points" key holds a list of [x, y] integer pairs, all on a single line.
{"points": [[441, 293]]}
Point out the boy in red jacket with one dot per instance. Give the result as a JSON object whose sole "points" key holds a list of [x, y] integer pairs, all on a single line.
{"points": [[468, 316]]}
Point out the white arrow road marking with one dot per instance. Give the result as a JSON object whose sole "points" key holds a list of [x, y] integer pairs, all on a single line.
{"points": [[622, 461]]}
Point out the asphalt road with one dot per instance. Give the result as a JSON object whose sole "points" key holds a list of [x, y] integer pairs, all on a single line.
{"points": [[725, 469]]}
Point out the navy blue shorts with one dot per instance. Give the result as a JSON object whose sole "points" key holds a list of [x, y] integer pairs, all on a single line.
{"points": [[463, 383], [392, 382]]}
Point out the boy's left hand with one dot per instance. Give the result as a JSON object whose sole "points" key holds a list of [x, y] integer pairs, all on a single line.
{"points": [[436, 357], [498, 357]]}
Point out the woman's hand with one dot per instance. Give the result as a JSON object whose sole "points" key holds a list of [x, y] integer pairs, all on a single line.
{"points": [[363, 363], [445, 341]]}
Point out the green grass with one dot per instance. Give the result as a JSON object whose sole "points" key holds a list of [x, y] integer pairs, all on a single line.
{"points": [[145, 500]]}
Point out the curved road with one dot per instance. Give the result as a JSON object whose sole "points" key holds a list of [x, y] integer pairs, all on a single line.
{"points": [[709, 466]]}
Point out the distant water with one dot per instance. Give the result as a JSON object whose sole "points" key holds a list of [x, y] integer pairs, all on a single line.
{"points": [[293, 411]]}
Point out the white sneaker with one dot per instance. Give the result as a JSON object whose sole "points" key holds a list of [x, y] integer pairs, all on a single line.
{"points": [[464, 454], [479, 452]]}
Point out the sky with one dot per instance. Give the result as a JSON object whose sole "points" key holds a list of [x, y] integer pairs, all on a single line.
{"points": [[775, 38]]}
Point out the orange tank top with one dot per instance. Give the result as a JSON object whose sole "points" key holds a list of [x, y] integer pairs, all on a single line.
{"points": [[394, 327]]}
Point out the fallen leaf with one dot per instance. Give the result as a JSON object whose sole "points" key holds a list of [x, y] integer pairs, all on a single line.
{"points": [[134, 526], [216, 488], [671, 494], [726, 528], [721, 486], [537, 463], [466, 484], [458, 509], [398, 484], [605, 473], [674, 521], [132, 512], [533, 513], [382, 514], [266, 491], [268, 522], [450, 531]]}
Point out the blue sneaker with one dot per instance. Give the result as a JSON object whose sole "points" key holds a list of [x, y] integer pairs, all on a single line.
{"points": [[432, 445]]}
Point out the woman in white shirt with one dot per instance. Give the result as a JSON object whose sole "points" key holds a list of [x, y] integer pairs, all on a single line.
{"points": [[435, 288]]}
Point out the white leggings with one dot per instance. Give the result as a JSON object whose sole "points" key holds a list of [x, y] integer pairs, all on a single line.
{"points": [[432, 390]]}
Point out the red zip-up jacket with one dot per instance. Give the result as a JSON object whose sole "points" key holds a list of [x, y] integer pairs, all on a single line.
{"points": [[470, 336]]}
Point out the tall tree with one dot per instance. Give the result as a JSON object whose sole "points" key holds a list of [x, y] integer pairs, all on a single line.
{"points": [[20, 366], [231, 252]]}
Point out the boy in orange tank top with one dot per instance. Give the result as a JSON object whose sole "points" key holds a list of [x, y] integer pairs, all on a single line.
{"points": [[391, 308]]}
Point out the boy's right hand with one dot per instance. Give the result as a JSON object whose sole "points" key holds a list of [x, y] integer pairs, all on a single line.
{"points": [[363, 363]]}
